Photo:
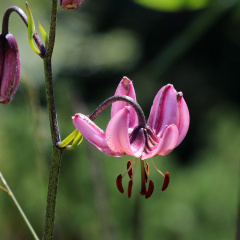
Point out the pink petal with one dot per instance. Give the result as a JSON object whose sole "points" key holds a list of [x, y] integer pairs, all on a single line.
{"points": [[183, 118], [93, 134], [126, 88], [118, 135], [166, 143], [164, 110]]}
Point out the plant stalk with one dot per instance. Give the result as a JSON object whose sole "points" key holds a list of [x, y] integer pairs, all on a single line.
{"points": [[56, 153], [9, 191]]}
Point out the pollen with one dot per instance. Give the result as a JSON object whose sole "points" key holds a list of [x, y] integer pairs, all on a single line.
{"points": [[150, 189], [130, 184], [119, 184], [166, 181]]}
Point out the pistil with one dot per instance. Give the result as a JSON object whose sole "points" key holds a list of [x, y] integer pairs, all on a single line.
{"points": [[143, 178]]}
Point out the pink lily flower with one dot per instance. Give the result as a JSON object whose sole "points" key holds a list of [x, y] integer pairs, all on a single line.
{"points": [[129, 134]]}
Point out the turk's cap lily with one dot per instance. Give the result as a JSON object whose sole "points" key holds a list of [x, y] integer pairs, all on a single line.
{"points": [[166, 127], [9, 68], [128, 133], [70, 4]]}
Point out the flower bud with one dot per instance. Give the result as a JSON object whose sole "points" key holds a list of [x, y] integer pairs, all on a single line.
{"points": [[70, 4], [9, 68]]}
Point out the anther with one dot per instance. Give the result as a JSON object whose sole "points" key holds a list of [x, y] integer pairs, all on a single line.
{"points": [[150, 189], [130, 184], [119, 184], [129, 168], [166, 181]]}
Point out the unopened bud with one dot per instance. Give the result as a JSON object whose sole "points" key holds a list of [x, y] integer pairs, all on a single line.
{"points": [[9, 68], [70, 4]]}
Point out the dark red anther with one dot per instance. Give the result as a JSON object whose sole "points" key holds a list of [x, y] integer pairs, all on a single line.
{"points": [[150, 189], [130, 184], [143, 192], [166, 181], [119, 184], [130, 170], [147, 173]]}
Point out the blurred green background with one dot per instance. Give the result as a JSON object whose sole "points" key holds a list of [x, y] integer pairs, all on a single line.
{"points": [[194, 45]]}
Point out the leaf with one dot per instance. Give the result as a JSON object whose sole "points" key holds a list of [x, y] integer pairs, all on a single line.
{"points": [[31, 29], [173, 5], [43, 32], [76, 141], [75, 137]]}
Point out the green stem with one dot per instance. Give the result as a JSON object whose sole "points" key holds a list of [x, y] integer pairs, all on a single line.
{"points": [[9, 191], [56, 153]]}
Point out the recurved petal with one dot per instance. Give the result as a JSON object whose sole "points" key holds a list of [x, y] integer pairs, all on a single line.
{"points": [[118, 135], [125, 87], [10, 72], [183, 118], [93, 134], [164, 110], [166, 143]]}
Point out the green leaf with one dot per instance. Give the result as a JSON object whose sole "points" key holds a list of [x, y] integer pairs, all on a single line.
{"points": [[43, 32], [173, 5], [68, 139], [76, 141], [31, 29], [75, 137]]}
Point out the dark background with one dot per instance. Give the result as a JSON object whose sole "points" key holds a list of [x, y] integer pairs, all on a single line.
{"points": [[197, 50]]}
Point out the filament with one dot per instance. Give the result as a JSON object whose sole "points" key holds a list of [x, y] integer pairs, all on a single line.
{"points": [[157, 168]]}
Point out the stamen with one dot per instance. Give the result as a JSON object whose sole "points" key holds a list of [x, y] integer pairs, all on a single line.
{"points": [[157, 168], [150, 189], [129, 166], [135, 161], [119, 183], [130, 188], [166, 181]]}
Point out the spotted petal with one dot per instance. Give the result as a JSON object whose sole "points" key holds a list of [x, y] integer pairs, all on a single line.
{"points": [[118, 135], [93, 134], [125, 87], [166, 143]]}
